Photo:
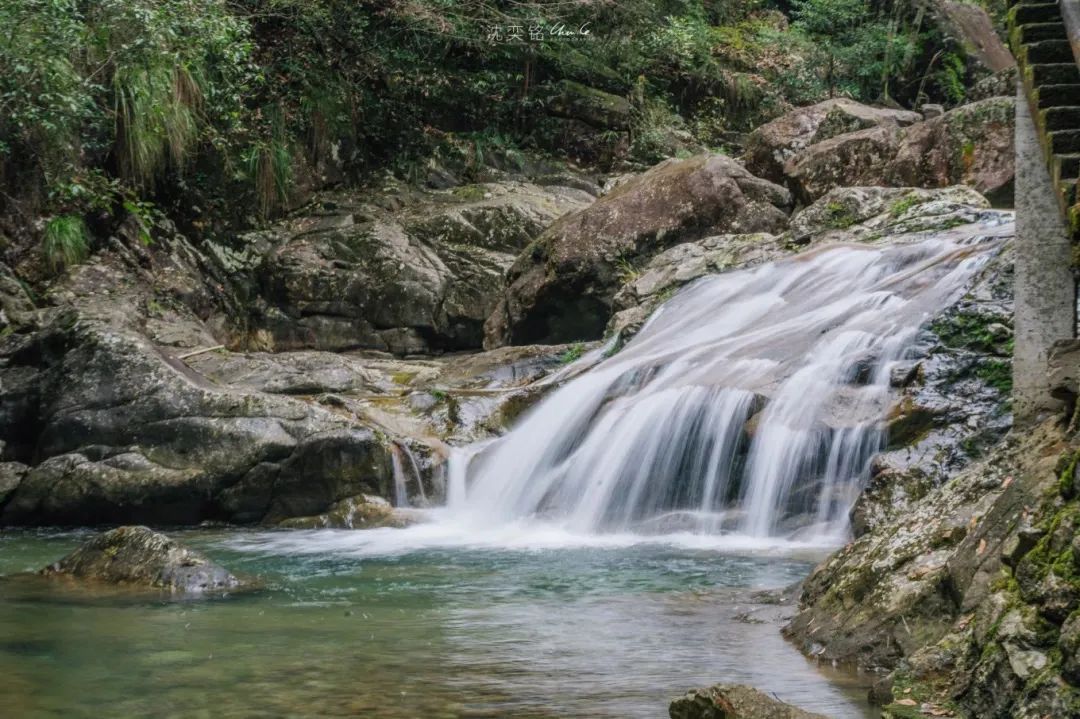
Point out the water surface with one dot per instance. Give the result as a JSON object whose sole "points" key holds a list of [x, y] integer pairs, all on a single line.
{"points": [[395, 623]]}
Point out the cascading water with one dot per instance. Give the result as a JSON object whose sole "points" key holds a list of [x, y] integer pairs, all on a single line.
{"points": [[751, 402]]}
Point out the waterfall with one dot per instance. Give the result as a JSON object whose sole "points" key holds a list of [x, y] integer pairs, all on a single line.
{"points": [[750, 402]]}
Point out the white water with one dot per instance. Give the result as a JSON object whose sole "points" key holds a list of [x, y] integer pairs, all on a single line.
{"points": [[748, 406]]}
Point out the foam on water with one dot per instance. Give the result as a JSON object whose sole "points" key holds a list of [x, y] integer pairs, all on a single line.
{"points": [[746, 411]]}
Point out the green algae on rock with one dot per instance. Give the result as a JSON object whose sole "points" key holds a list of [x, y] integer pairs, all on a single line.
{"points": [[140, 557]]}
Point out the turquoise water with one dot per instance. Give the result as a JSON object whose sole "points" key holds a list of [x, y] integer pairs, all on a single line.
{"points": [[388, 623]]}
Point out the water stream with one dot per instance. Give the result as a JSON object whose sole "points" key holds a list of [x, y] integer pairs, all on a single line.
{"points": [[594, 562], [750, 404]]}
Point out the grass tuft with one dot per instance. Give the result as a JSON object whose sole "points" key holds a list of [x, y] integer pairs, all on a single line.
{"points": [[66, 242]]}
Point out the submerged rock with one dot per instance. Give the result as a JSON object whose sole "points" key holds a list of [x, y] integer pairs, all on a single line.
{"points": [[734, 701], [140, 557], [363, 512], [562, 286]]}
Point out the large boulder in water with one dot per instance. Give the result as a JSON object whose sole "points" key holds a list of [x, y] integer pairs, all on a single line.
{"points": [[734, 701], [140, 557], [769, 147], [561, 287]]}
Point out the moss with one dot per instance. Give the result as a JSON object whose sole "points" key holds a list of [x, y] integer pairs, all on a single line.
{"points": [[572, 353], [969, 331], [838, 217], [1067, 474], [904, 204], [996, 373], [469, 193], [403, 377]]}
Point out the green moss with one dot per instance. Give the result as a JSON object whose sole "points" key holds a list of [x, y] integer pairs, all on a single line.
{"points": [[904, 204], [403, 378], [969, 331], [469, 193], [1067, 474], [838, 216], [572, 353], [996, 373]]}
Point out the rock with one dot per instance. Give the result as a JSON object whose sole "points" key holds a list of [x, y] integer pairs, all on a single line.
{"points": [[769, 147], [11, 475], [599, 109], [999, 84], [562, 286], [970, 145], [869, 213], [1063, 372], [852, 159], [363, 512], [930, 111], [140, 557], [680, 265], [733, 701], [973, 30], [1069, 643], [410, 280]]}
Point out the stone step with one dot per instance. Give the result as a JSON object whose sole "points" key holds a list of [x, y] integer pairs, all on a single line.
{"points": [[1058, 73], [1047, 51], [1066, 166], [1061, 118], [1027, 13], [1058, 95], [1064, 142], [1034, 32]]}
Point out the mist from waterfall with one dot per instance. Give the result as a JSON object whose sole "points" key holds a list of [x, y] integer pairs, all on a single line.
{"points": [[750, 403]]}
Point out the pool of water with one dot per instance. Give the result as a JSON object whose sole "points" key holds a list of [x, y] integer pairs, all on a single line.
{"points": [[403, 623]]}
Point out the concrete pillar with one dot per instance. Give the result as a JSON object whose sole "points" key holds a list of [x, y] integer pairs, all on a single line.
{"points": [[1045, 291]]}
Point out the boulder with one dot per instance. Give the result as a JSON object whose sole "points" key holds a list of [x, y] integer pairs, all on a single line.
{"points": [[139, 557], [972, 145], [973, 30], [11, 475], [599, 109], [734, 701], [363, 512], [562, 286], [418, 278], [853, 159], [769, 147]]}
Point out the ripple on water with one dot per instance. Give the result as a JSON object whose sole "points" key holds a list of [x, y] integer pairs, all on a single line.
{"points": [[401, 623]]}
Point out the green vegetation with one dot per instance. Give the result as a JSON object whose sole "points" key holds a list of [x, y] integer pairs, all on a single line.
{"points": [[904, 204], [572, 353], [227, 105], [65, 242], [996, 373], [838, 216]]}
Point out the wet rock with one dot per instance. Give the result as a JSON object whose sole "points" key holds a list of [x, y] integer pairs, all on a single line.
{"points": [[140, 557], [734, 701], [363, 512], [11, 475], [769, 147], [680, 265], [562, 286]]}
